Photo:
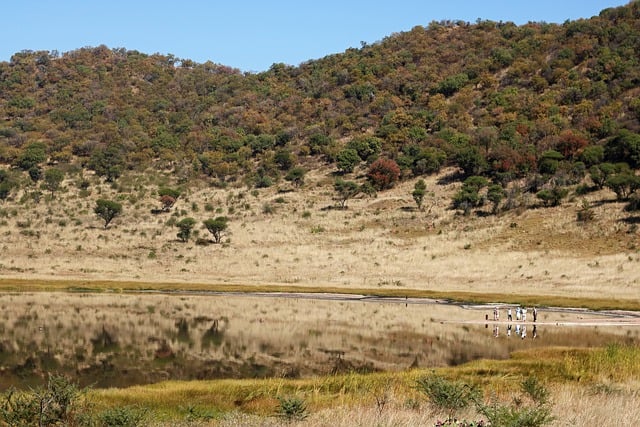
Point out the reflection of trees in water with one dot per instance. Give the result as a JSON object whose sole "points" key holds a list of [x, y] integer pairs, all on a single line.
{"points": [[183, 330], [104, 342], [214, 336]]}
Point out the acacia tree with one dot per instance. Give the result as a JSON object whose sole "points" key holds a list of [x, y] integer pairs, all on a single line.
{"points": [[185, 225], [52, 179], [468, 196], [419, 189], [296, 176], [107, 210], [345, 191], [216, 227], [495, 194], [108, 162]]}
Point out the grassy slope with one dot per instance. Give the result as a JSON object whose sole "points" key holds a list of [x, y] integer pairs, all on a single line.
{"points": [[292, 241]]}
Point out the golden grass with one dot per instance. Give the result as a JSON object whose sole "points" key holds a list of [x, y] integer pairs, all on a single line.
{"points": [[355, 399], [380, 245]]}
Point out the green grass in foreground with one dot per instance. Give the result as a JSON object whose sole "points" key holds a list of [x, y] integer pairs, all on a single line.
{"points": [[36, 285], [173, 400]]}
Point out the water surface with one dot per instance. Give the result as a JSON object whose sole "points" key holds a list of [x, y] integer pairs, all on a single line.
{"points": [[116, 340]]}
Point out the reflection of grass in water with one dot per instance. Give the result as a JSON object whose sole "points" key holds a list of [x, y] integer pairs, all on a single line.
{"points": [[399, 335], [183, 331], [104, 342], [212, 337]]}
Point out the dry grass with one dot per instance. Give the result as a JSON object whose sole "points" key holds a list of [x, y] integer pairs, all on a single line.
{"points": [[379, 244], [391, 398]]}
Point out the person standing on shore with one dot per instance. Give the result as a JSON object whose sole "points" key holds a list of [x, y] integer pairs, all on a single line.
{"points": [[509, 316], [535, 314], [524, 314], [518, 313]]}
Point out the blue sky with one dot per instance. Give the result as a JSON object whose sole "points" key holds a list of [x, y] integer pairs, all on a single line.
{"points": [[252, 34]]}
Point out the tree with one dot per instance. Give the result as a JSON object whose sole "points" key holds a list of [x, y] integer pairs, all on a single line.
{"points": [[185, 225], [468, 196], [419, 190], [470, 160], [571, 144], [6, 184], [346, 190], [429, 160], [495, 194], [107, 210], [33, 154], [5, 189], [600, 173], [383, 173], [592, 155], [107, 162], [296, 176], [216, 227], [367, 147], [35, 173], [549, 162], [623, 184], [553, 196], [52, 179], [284, 159], [168, 197], [347, 159], [447, 395], [625, 147]]}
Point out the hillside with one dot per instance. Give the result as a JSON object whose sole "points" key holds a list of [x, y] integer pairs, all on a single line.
{"points": [[527, 138]]}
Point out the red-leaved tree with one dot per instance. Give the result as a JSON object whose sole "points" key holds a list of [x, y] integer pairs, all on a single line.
{"points": [[383, 173]]}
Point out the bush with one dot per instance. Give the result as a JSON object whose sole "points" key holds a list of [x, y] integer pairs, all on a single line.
{"points": [[121, 417], [446, 395], [383, 173], [292, 408], [534, 414], [185, 225], [51, 405]]}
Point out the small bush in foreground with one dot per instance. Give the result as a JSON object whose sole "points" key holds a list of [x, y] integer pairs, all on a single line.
{"points": [[121, 417], [292, 408], [50, 405], [531, 409], [446, 395]]}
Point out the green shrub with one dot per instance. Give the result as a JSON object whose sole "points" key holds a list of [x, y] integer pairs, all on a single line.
{"points": [[292, 408], [446, 395], [121, 417], [531, 409], [53, 404]]}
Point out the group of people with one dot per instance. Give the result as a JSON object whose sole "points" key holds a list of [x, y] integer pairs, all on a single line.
{"points": [[521, 314], [521, 317]]}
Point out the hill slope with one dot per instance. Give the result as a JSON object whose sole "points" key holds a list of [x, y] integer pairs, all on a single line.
{"points": [[546, 115]]}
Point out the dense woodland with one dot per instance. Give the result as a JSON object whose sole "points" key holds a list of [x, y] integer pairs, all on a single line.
{"points": [[537, 108]]}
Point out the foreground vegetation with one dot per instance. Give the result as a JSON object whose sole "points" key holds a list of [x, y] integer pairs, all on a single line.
{"points": [[550, 379]]}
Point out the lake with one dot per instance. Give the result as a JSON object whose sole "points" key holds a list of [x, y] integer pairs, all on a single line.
{"points": [[118, 340]]}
